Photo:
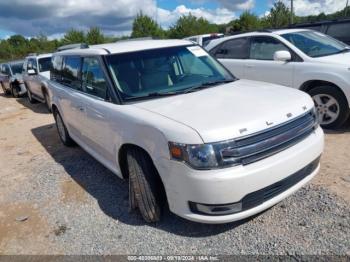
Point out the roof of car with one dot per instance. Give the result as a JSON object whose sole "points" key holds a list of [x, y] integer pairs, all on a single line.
{"points": [[126, 46]]}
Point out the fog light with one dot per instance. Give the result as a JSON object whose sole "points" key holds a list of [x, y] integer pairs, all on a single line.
{"points": [[216, 210]]}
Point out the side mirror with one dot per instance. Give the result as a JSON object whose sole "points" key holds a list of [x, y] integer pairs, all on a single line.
{"points": [[282, 56], [31, 72]]}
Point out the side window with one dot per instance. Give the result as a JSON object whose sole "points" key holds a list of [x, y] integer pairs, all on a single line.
{"points": [[94, 81], [6, 70], [340, 31], [56, 69], [32, 64], [264, 47], [71, 71], [233, 49]]}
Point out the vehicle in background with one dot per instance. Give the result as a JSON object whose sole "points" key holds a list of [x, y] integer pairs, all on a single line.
{"points": [[36, 73], [305, 59], [339, 29], [203, 40], [171, 119], [11, 78]]}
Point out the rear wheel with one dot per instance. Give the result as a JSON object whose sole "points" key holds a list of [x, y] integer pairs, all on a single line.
{"points": [[47, 103], [62, 130], [145, 187], [30, 96], [332, 106], [14, 91]]}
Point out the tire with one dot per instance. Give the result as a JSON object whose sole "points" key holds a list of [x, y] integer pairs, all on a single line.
{"points": [[30, 96], [145, 187], [46, 98], [62, 130], [332, 106], [14, 91]]}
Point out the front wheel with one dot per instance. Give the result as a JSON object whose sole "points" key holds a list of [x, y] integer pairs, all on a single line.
{"points": [[145, 187], [62, 130], [332, 106]]}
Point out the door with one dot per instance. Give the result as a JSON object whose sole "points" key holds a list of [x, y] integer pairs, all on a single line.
{"points": [[233, 54], [98, 130], [34, 84], [6, 74], [70, 95], [261, 65]]}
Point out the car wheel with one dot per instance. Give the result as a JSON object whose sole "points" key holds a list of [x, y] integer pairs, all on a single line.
{"points": [[47, 103], [332, 106], [30, 96], [62, 130], [145, 187], [14, 91]]}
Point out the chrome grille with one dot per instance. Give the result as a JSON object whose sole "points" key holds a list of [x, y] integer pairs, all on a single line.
{"points": [[255, 147]]}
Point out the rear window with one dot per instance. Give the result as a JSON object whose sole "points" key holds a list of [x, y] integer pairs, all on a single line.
{"points": [[56, 69]]}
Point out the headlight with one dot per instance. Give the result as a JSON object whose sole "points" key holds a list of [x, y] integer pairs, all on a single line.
{"points": [[197, 156]]}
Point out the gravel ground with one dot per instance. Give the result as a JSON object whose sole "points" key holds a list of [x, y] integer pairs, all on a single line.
{"points": [[58, 200]]}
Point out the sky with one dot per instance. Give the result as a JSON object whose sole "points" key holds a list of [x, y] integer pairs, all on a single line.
{"points": [[114, 17]]}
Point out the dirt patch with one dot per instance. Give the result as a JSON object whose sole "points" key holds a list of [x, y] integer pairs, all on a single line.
{"points": [[72, 191], [22, 225]]}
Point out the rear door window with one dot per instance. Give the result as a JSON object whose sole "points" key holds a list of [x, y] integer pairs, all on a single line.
{"points": [[71, 72], [233, 49], [93, 79]]}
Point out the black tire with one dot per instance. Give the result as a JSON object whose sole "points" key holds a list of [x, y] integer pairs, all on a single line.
{"points": [[146, 188], [30, 96], [46, 98], [62, 130], [14, 91], [342, 106]]}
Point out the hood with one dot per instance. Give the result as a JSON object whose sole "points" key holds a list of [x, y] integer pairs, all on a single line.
{"points": [[340, 59], [232, 110], [45, 74]]}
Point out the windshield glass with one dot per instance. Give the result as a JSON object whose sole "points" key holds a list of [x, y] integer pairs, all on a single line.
{"points": [[44, 64], [315, 44], [17, 68], [207, 39], [163, 71]]}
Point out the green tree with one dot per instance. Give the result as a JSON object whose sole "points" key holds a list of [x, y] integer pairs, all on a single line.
{"points": [[145, 26], [246, 22], [279, 16], [188, 25], [95, 36], [74, 37]]}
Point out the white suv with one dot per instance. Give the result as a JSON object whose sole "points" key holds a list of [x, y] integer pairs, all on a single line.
{"points": [[36, 73], [167, 116], [299, 58]]}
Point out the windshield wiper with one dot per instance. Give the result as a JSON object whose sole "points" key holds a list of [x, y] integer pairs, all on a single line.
{"points": [[154, 94], [206, 85], [345, 50]]}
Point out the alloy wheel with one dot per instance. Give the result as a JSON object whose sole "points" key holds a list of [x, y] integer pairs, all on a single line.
{"points": [[328, 108]]}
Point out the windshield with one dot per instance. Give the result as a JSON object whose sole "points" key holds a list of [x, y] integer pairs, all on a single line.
{"points": [[315, 44], [164, 71], [206, 40], [17, 68], [44, 64]]}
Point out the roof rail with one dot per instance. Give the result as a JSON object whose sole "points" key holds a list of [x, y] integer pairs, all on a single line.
{"points": [[136, 39], [73, 46]]}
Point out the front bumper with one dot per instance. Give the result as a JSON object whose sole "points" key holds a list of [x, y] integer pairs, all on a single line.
{"points": [[230, 185]]}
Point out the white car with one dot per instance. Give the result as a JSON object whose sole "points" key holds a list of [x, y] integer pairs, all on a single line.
{"points": [[299, 58], [36, 72], [167, 116], [204, 40]]}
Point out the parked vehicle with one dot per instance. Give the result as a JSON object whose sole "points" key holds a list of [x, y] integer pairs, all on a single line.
{"points": [[339, 29], [11, 78], [299, 58], [167, 116], [36, 73], [203, 40]]}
